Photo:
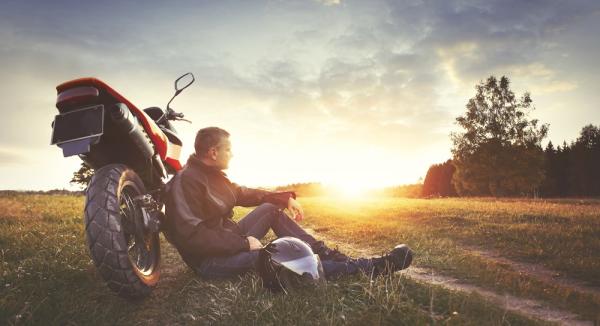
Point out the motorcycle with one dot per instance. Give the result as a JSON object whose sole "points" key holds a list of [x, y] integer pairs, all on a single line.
{"points": [[133, 153]]}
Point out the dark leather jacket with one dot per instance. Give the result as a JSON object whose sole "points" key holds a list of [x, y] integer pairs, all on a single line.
{"points": [[199, 207]]}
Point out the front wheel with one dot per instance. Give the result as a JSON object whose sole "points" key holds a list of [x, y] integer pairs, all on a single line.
{"points": [[126, 255]]}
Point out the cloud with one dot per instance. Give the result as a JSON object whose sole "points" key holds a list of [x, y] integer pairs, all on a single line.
{"points": [[358, 38], [543, 80], [474, 38], [11, 157], [329, 2]]}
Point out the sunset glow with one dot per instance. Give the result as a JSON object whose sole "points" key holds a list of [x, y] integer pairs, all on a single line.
{"points": [[311, 91], [349, 189]]}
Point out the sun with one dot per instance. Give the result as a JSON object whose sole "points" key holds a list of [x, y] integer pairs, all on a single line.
{"points": [[349, 189]]}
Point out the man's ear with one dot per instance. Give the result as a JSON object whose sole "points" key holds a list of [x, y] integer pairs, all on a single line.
{"points": [[212, 153]]}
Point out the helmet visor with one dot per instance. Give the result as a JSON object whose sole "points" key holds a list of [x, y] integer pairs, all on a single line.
{"points": [[306, 265]]}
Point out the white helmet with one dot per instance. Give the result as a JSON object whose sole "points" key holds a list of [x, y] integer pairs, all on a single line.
{"points": [[288, 262]]}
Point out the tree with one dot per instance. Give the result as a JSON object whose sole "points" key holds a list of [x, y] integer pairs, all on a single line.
{"points": [[549, 187], [584, 176], [572, 170], [563, 156], [499, 152], [83, 176], [438, 181]]}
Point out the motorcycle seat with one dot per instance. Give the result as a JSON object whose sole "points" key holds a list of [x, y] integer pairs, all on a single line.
{"points": [[105, 90]]}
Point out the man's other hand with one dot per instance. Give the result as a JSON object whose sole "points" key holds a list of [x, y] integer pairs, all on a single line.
{"points": [[296, 210], [254, 243]]}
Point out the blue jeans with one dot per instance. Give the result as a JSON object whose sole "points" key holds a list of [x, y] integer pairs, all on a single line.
{"points": [[257, 223]]}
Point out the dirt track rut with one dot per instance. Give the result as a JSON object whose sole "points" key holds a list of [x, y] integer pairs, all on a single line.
{"points": [[527, 307], [539, 272]]}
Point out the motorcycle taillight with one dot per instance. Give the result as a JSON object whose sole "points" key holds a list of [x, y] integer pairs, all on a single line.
{"points": [[76, 97]]}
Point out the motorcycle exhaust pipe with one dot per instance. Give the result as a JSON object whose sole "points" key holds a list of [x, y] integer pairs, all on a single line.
{"points": [[129, 124]]}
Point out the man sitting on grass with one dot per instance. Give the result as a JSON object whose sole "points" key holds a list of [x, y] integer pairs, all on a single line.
{"points": [[199, 206]]}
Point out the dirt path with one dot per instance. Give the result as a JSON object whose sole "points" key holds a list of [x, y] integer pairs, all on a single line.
{"points": [[539, 272], [527, 307]]}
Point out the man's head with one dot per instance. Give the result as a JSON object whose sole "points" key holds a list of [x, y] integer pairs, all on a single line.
{"points": [[213, 147]]}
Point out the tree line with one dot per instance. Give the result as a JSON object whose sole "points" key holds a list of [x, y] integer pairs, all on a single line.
{"points": [[570, 170], [315, 189], [573, 169], [498, 152]]}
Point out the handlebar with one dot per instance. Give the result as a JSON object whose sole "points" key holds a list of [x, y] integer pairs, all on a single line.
{"points": [[177, 116]]}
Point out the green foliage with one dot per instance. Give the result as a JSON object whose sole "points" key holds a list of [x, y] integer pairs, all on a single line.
{"points": [[584, 162], [499, 152], [83, 176], [572, 170]]}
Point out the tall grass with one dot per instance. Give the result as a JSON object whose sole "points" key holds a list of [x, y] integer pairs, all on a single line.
{"points": [[560, 235], [46, 276]]}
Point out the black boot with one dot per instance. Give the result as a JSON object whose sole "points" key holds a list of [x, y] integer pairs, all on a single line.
{"points": [[326, 253], [399, 258]]}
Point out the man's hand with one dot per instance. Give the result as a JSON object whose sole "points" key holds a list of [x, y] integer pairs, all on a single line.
{"points": [[254, 243], [296, 210]]}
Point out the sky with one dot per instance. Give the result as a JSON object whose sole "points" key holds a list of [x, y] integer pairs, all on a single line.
{"points": [[350, 93]]}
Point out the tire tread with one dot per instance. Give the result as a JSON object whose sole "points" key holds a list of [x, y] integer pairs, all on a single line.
{"points": [[106, 244]]}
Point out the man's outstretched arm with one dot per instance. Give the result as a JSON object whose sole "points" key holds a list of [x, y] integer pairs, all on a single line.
{"points": [[249, 197]]}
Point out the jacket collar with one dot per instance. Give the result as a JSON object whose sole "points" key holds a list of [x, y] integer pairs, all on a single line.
{"points": [[196, 163]]}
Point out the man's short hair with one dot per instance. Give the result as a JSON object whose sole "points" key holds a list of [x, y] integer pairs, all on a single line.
{"points": [[207, 138]]}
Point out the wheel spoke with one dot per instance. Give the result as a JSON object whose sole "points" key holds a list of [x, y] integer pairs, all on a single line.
{"points": [[138, 257], [140, 254], [143, 260], [141, 245]]}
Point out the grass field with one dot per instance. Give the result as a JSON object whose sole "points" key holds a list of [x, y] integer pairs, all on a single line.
{"points": [[46, 276]]}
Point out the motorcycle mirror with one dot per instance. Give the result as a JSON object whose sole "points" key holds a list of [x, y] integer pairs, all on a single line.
{"points": [[181, 83], [184, 82]]}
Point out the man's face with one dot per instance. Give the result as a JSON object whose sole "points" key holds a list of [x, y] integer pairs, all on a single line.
{"points": [[222, 154]]}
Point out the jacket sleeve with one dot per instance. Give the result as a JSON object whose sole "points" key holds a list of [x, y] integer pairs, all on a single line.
{"points": [[249, 197], [280, 199]]}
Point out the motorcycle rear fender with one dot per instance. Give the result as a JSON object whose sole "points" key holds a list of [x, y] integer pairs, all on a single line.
{"points": [[86, 88]]}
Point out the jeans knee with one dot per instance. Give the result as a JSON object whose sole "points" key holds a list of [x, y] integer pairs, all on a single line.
{"points": [[274, 213], [268, 207]]}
